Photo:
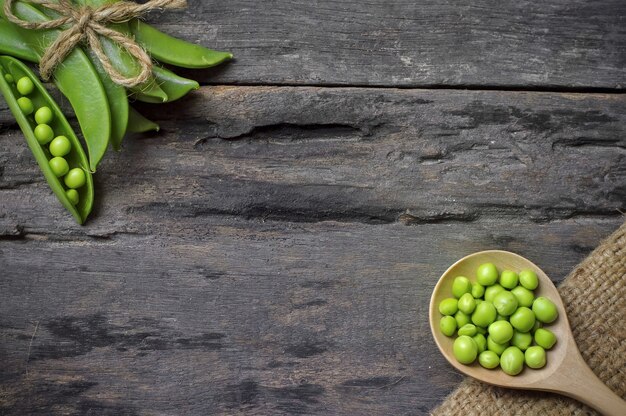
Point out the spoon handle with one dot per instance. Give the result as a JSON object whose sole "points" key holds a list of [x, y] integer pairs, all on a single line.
{"points": [[580, 383]]}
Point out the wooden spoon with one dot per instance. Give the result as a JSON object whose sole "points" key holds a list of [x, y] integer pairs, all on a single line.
{"points": [[565, 372]]}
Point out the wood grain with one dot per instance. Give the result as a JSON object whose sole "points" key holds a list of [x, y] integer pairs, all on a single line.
{"points": [[244, 317], [273, 249], [517, 44], [346, 154]]}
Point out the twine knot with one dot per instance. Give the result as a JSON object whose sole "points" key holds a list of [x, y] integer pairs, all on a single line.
{"points": [[88, 24]]}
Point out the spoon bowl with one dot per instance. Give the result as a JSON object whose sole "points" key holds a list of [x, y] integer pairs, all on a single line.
{"points": [[565, 371]]}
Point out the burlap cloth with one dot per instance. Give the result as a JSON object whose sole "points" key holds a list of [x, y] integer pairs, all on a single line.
{"points": [[595, 299]]}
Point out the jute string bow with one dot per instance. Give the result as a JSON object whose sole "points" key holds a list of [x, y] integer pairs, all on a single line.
{"points": [[83, 23]]}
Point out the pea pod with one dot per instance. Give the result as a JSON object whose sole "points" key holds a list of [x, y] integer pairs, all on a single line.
{"points": [[11, 42], [129, 67], [174, 86], [76, 158], [119, 57], [118, 104], [76, 78], [137, 123], [173, 51]]}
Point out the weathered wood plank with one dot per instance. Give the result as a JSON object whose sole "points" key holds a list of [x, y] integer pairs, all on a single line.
{"points": [[244, 317], [272, 250], [551, 44], [366, 155]]}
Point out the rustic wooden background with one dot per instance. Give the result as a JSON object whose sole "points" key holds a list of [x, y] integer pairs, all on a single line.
{"points": [[272, 250]]}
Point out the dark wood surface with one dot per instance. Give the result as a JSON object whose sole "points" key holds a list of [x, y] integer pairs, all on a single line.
{"points": [[462, 43], [272, 250]]}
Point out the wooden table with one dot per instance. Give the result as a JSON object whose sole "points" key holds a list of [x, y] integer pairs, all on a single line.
{"points": [[272, 250]]}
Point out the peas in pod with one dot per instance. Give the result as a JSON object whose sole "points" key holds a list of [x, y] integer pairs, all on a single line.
{"points": [[98, 79], [50, 137]]}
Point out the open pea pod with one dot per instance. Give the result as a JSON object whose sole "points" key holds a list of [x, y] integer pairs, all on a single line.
{"points": [[76, 78], [173, 51], [76, 157]]}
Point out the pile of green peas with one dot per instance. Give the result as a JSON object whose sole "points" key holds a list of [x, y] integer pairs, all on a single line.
{"points": [[498, 320], [57, 147]]}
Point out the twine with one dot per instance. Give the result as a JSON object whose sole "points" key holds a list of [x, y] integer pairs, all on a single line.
{"points": [[84, 23]]}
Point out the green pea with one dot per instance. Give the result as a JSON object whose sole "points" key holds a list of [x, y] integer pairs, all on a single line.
{"points": [[462, 319], [487, 274], [509, 279], [26, 105], [505, 303], [481, 330], [467, 303], [43, 133], [484, 314], [535, 357], [545, 310], [523, 319], [528, 279], [524, 296], [460, 286], [9, 78], [500, 332], [522, 340], [481, 342], [545, 338], [60, 146], [489, 359], [492, 291], [467, 329], [59, 166], [72, 195], [447, 323], [449, 306], [25, 86], [44, 115], [512, 361], [501, 318], [495, 347], [75, 178], [465, 349], [478, 290]]}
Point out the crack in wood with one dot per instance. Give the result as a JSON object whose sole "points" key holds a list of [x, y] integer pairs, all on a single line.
{"points": [[588, 142]]}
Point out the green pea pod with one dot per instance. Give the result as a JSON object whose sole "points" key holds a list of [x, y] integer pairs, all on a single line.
{"points": [[173, 51], [11, 42], [118, 104], [174, 86], [126, 64], [137, 123], [77, 79], [129, 67], [168, 49], [75, 158]]}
